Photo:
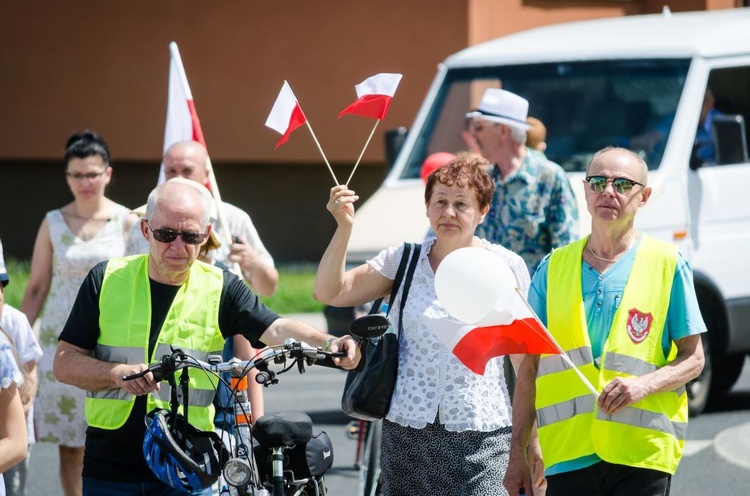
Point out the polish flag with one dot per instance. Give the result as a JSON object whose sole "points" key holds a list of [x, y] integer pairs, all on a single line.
{"points": [[286, 114], [182, 119], [374, 96], [512, 330]]}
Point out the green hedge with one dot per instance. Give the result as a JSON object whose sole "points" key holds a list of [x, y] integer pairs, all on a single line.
{"points": [[294, 294]]}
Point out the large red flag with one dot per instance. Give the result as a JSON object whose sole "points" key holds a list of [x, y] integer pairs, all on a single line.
{"points": [[182, 119], [513, 330], [286, 114], [374, 96]]}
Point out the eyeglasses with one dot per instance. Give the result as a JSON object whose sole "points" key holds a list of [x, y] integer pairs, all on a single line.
{"points": [[477, 125], [77, 176], [622, 185], [168, 235]]}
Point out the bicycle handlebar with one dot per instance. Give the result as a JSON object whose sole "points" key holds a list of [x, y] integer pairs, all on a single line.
{"points": [[299, 351]]}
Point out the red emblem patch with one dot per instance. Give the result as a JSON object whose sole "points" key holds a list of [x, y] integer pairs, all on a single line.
{"points": [[639, 325]]}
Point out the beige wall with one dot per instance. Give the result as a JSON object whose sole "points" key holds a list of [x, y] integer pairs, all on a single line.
{"points": [[81, 63], [492, 18], [75, 64]]}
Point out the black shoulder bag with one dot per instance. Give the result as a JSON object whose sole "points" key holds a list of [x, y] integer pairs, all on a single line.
{"points": [[367, 394]]}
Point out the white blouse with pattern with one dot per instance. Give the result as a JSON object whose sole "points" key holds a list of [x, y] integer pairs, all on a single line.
{"points": [[432, 383]]}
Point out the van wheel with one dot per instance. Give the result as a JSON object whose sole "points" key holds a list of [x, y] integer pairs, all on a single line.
{"points": [[699, 389], [727, 370]]}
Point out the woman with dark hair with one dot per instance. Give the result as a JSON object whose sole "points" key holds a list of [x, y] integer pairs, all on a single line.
{"points": [[70, 241], [448, 429]]}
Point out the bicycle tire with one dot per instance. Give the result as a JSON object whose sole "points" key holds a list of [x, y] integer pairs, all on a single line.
{"points": [[370, 484]]}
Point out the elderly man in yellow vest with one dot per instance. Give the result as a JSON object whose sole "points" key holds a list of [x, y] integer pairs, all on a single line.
{"points": [[133, 309], [622, 306]]}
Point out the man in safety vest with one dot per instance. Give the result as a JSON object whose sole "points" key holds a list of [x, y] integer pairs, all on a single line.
{"points": [[130, 311], [622, 306]]}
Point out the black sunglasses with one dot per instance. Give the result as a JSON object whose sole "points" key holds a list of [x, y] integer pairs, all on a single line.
{"points": [[168, 235], [622, 185]]}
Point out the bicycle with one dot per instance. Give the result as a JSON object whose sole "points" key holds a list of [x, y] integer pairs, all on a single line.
{"points": [[368, 328], [368, 434], [286, 441]]}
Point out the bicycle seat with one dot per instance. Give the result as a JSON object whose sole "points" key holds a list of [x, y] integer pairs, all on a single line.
{"points": [[283, 429]]}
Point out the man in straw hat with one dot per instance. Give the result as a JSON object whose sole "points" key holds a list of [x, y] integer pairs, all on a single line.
{"points": [[534, 209]]}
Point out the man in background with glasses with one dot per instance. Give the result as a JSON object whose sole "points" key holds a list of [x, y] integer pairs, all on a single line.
{"points": [[133, 310], [534, 209], [188, 159], [622, 306]]}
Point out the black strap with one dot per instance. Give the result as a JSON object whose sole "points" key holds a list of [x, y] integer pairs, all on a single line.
{"points": [[405, 257], [396, 281], [407, 285], [399, 276]]}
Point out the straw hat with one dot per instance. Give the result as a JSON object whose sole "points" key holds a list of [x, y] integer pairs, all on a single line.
{"points": [[503, 107]]}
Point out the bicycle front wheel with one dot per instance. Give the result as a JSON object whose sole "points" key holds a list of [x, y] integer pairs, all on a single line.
{"points": [[369, 471]]}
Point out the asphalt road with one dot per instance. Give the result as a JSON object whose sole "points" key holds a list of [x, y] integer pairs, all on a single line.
{"points": [[717, 455]]}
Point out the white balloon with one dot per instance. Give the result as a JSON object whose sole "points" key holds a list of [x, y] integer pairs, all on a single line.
{"points": [[472, 283]]}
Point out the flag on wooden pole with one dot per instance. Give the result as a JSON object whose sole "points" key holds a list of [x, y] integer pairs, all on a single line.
{"points": [[286, 114], [374, 96], [182, 118]]}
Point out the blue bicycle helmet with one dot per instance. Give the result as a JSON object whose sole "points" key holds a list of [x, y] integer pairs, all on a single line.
{"points": [[181, 455]]}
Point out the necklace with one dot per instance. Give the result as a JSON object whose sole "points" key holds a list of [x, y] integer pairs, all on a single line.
{"points": [[76, 216], [591, 250]]}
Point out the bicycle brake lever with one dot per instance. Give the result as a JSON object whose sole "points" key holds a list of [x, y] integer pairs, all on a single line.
{"points": [[155, 369]]}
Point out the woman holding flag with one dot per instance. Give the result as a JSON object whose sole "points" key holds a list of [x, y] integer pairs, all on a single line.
{"points": [[448, 428]]}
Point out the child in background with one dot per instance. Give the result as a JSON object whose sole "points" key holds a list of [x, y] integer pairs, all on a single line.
{"points": [[17, 328], [13, 436]]}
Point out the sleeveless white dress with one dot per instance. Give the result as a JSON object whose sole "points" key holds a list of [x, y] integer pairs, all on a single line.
{"points": [[59, 408]]}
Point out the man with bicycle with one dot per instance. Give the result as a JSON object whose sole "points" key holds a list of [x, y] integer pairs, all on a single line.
{"points": [[132, 310]]}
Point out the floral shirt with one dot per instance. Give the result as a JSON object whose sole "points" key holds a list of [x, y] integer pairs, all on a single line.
{"points": [[433, 384], [533, 211]]}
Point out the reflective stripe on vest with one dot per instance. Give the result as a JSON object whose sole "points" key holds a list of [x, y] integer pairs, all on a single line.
{"points": [[191, 324], [649, 433]]}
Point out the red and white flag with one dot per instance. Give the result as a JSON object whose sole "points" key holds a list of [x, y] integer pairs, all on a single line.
{"points": [[374, 96], [182, 119], [286, 114], [513, 330]]}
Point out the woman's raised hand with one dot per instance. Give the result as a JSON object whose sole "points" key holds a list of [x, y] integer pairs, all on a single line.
{"points": [[341, 204]]}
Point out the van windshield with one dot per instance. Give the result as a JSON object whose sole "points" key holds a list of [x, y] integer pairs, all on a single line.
{"points": [[584, 105]]}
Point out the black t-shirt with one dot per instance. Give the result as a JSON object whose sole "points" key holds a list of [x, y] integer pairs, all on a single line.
{"points": [[117, 454]]}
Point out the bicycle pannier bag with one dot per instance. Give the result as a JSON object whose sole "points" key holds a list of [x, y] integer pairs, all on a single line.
{"points": [[311, 459], [367, 394]]}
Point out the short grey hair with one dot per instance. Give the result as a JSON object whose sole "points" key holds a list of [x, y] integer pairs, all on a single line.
{"points": [[517, 134], [157, 196]]}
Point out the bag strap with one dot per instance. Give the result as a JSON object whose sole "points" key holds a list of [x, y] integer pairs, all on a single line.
{"points": [[407, 285], [397, 280]]}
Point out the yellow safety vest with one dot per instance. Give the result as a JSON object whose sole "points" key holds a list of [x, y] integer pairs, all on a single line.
{"points": [[647, 434], [191, 324]]}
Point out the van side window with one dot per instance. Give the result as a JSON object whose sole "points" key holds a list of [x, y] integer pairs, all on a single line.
{"points": [[722, 134]]}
